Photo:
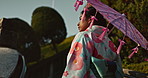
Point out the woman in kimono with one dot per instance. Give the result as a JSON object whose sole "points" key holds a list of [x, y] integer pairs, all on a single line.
{"points": [[89, 56]]}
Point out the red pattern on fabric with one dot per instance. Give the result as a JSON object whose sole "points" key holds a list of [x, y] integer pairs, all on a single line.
{"points": [[76, 49], [90, 46], [112, 46], [86, 35], [76, 63], [95, 54], [65, 73]]}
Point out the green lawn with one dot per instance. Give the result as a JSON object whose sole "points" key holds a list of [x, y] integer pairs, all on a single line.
{"points": [[47, 51]]}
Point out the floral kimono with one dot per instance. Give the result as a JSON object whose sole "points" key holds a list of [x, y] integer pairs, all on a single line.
{"points": [[89, 56]]}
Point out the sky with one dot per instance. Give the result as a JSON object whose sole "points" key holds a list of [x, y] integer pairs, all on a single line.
{"points": [[23, 9]]}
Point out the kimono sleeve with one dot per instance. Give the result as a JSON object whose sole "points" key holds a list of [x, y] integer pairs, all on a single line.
{"points": [[78, 59]]}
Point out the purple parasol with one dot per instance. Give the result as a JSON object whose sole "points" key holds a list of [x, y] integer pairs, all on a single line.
{"points": [[120, 22]]}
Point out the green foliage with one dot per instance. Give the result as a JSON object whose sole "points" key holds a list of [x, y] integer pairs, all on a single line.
{"points": [[49, 26], [141, 67], [108, 2], [142, 11]]}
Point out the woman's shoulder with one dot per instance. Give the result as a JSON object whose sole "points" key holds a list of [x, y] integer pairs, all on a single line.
{"points": [[82, 34]]}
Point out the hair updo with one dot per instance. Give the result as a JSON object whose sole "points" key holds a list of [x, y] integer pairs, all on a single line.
{"points": [[91, 12]]}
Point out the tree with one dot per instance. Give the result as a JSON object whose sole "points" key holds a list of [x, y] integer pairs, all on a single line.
{"points": [[17, 34], [49, 25]]}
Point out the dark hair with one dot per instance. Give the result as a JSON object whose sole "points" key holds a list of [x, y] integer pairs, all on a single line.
{"points": [[91, 12]]}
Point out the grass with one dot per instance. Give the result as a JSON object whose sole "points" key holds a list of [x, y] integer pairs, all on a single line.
{"points": [[48, 51]]}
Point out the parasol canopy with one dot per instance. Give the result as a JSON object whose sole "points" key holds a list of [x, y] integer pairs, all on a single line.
{"points": [[120, 22]]}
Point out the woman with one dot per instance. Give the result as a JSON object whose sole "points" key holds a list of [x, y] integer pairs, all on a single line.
{"points": [[89, 56]]}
